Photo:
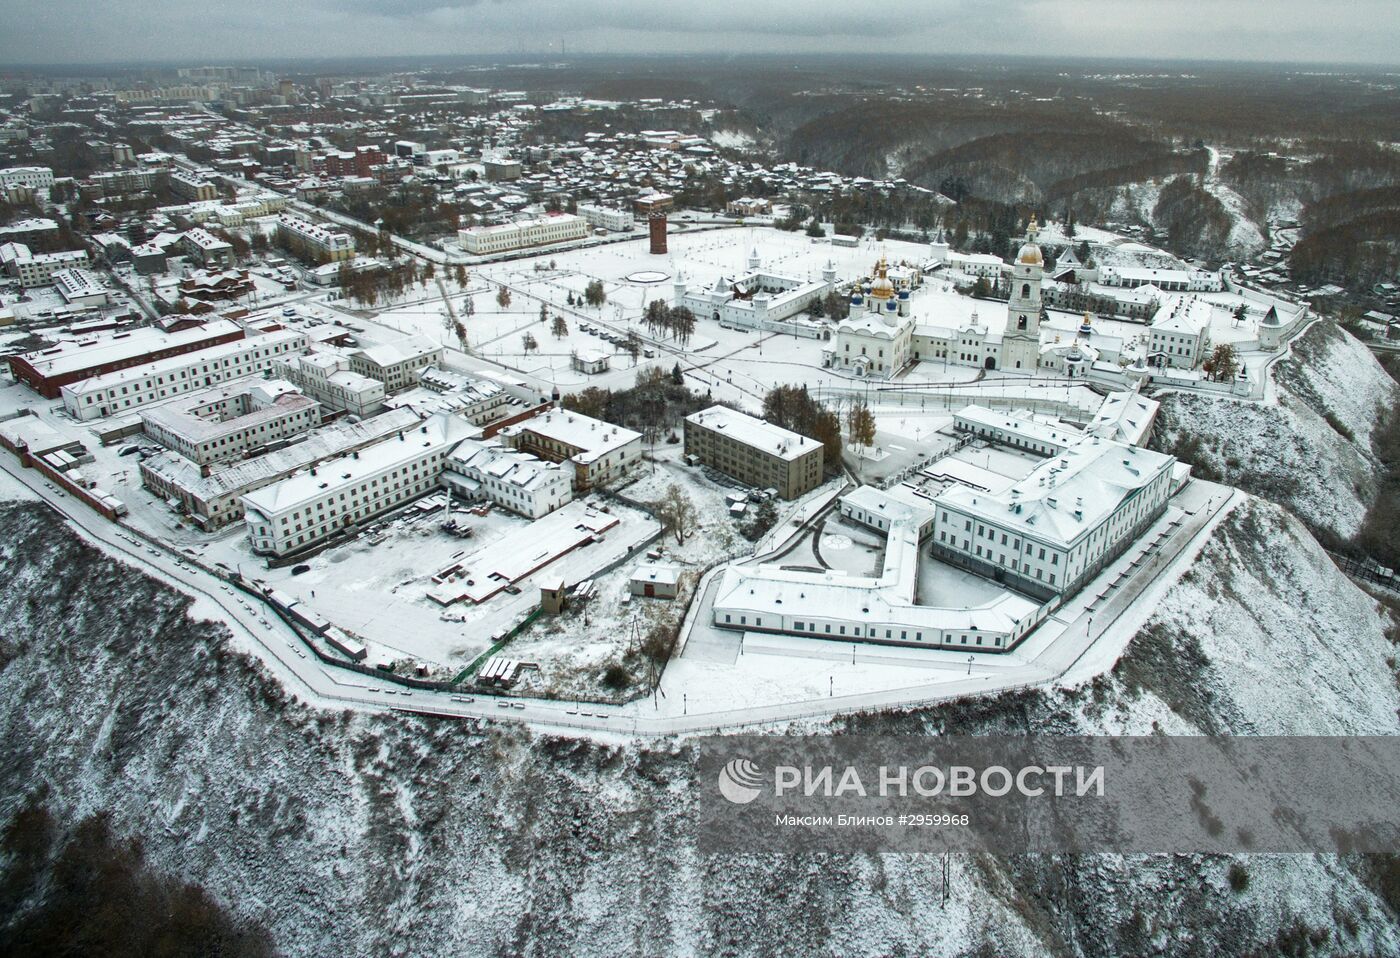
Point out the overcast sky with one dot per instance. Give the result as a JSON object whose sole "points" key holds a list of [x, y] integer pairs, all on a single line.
{"points": [[75, 31]]}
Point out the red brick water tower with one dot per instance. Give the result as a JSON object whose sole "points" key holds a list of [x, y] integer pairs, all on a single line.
{"points": [[654, 206]]}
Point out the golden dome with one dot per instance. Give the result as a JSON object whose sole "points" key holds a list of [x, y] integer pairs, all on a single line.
{"points": [[1030, 253], [881, 288]]}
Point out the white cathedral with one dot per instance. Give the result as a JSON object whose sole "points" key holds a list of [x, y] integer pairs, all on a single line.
{"points": [[881, 337]]}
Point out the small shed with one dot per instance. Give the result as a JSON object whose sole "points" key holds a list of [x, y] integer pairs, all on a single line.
{"points": [[590, 361], [552, 595], [655, 581]]}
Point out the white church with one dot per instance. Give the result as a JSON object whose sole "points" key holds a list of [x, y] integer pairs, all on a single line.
{"points": [[882, 336]]}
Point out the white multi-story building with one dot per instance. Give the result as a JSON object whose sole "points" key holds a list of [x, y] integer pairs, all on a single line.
{"points": [[1167, 280], [514, 480], [128, 389], [606, 217], [304, 510], [397, 364], [599, 451], [37, 269], [29, 177], [211, 494], [1180, 332], [327, 377], [225, 422], [523, 234], [324, 244], [1016, 429], [1060, 524]]}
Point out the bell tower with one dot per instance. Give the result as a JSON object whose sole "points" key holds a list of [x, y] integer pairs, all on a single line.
{"points": [[1020, 343]]}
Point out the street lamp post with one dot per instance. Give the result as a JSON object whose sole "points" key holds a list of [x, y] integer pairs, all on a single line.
{"points": [[970, 660]]}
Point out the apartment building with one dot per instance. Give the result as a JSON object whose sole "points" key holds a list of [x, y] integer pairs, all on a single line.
{"points": [[487, 469], [203, 246], [320, 243], [754, 451], [213, 425], [599, 451], [121, 182], [606, 217], [192, 186], [303, 511], [554, 228], [37, 269], [129, 389]]}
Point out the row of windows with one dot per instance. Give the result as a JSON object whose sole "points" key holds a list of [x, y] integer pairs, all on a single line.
{"points": [[183, 376], [871, 632]]}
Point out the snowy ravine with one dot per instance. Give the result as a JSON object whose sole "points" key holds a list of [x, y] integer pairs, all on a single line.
{"points": [[1310, 450], [400, 836]]}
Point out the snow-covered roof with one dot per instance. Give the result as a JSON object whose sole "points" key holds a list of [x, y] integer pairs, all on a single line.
{"points": [[74, 355], [211, 355], [754, 432], [1021, 424], [428, 437], [488, 458], [885, 599], [1124, 416], [267, 399], [592, 437], [250, 473], [1066, 496]]}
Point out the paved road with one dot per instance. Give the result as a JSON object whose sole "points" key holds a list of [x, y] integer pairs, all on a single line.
{"points": [[282, 652]]}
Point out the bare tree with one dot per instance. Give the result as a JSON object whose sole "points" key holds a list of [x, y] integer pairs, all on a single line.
{"points": [[503, 297], [677, 513], [528, 341]]}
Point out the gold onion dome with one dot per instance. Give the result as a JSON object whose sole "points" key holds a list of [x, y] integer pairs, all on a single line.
{"points": [[1030, 253], [882, 288]]}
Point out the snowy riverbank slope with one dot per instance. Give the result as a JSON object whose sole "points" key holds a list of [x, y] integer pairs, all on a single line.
{"points": [[402, 836], [1311, 449]]}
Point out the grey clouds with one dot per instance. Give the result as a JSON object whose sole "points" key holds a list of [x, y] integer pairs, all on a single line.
{"points": [[77, 31]]}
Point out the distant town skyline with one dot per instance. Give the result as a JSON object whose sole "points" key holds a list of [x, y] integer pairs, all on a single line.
{"points": [[79, 31]]}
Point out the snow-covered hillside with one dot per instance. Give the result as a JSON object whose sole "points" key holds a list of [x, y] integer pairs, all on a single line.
{"points": [[406, 836], [1310, 450]]}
